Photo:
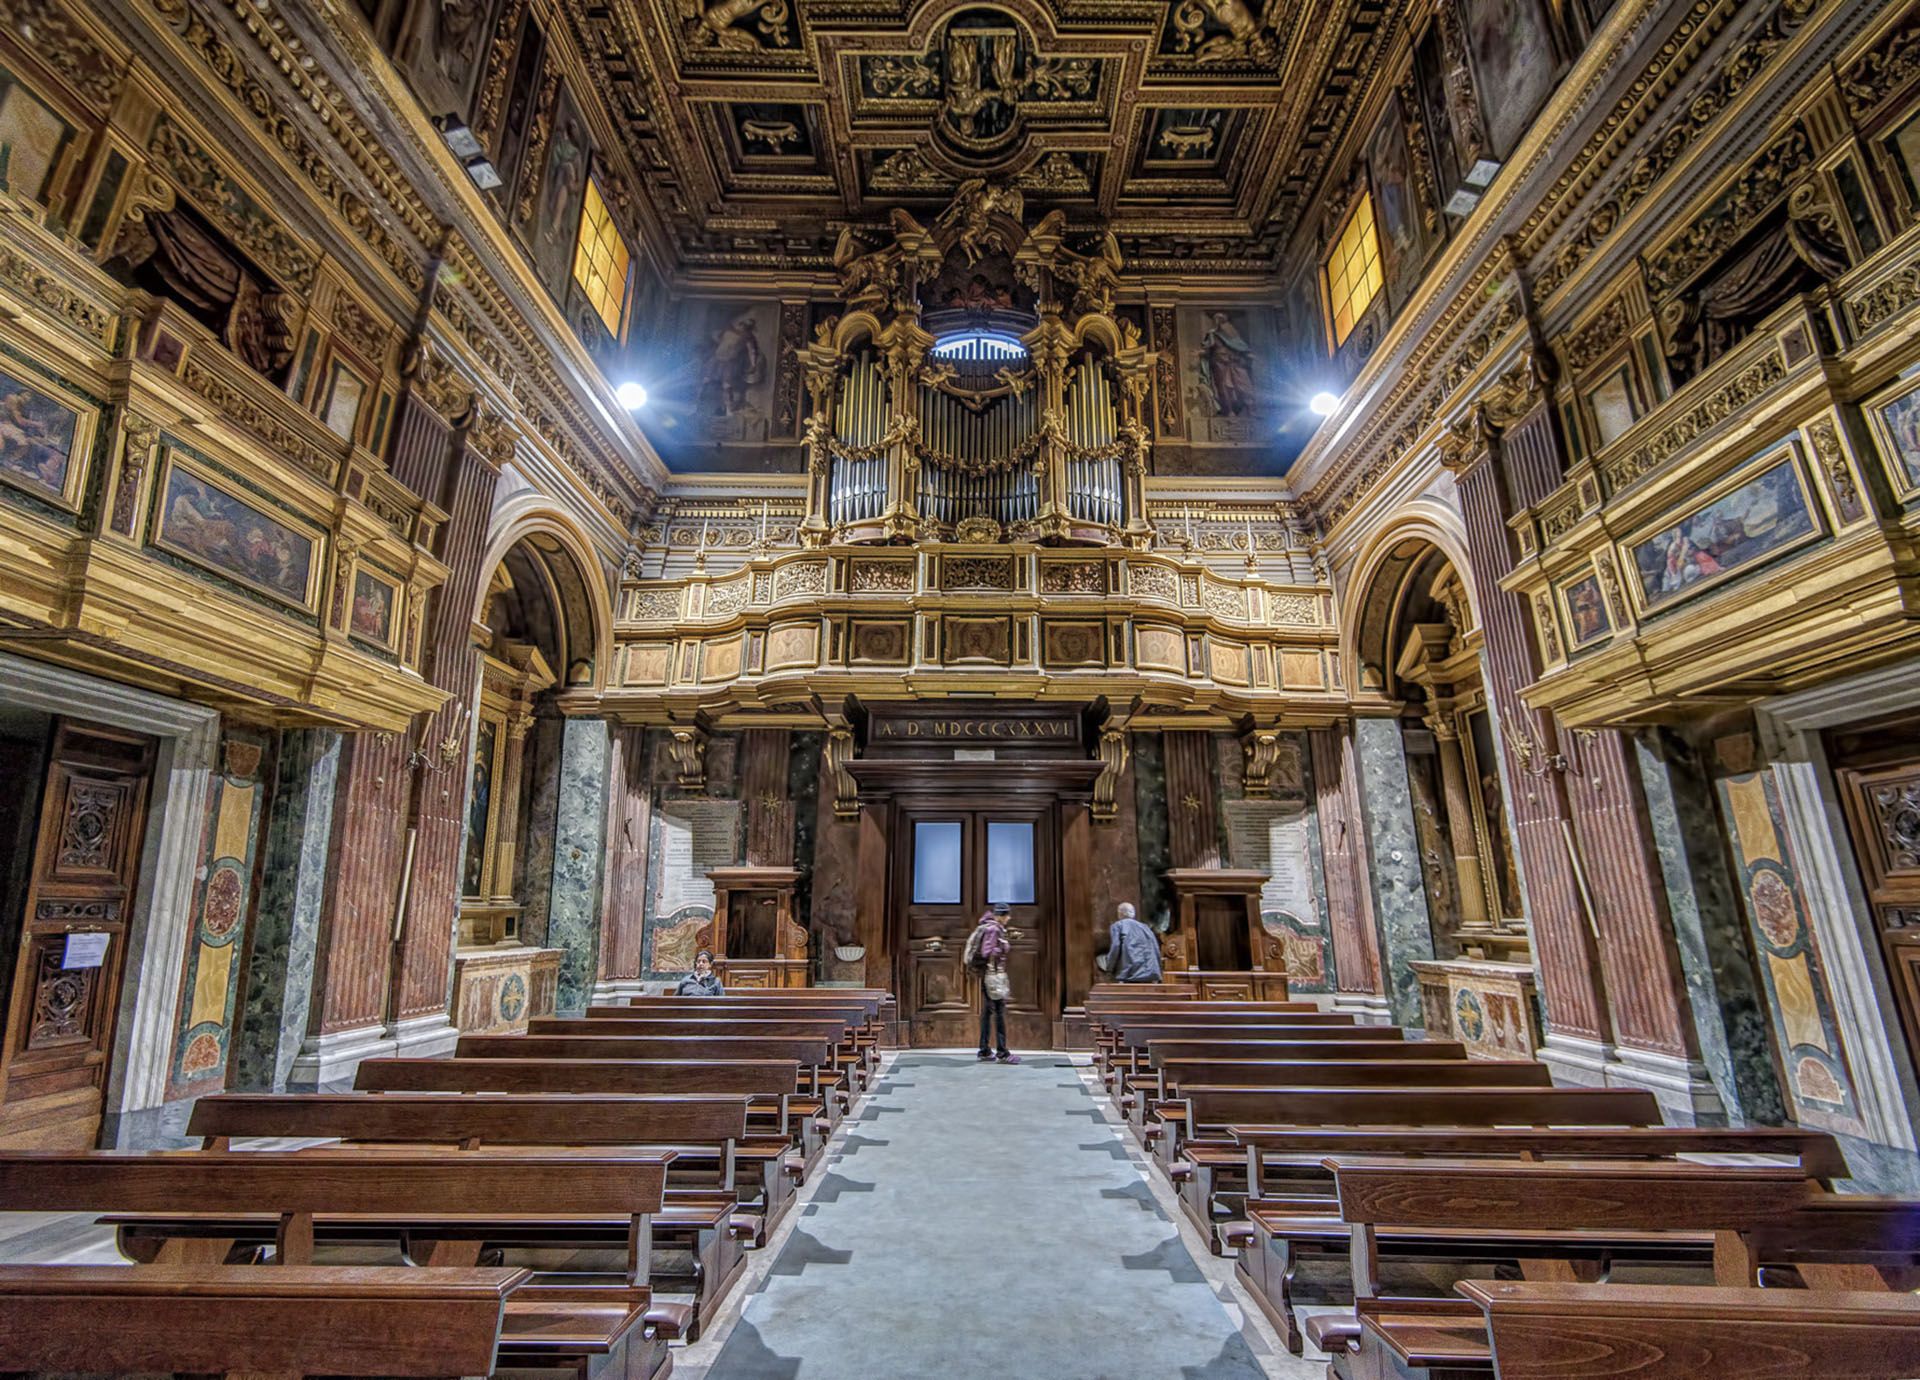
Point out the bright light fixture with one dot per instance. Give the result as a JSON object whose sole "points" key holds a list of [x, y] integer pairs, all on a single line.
{"points": [[1324, 404], [632, 396]]}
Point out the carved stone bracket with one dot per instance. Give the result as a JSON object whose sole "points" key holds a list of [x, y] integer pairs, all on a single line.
{"points": [[688, 748], [1114, 751], [1260, 747], [846, 793], [141, 436]]}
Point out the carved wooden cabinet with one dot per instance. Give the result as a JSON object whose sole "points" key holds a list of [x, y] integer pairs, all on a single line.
{"points": [[1217, 941]]}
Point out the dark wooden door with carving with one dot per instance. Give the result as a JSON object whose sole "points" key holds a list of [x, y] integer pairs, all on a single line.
{"points": [[66, 986], [953, 865], [1878, 771]]}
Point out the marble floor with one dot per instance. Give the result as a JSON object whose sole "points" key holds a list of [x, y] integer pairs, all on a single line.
{"points": [[988, 1221]]}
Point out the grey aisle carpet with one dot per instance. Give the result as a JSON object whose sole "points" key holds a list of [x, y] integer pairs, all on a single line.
{"points": [[984, 1221]]}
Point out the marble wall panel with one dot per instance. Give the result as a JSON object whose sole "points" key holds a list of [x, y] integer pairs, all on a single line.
{"points": [[1150, 806], [1393, 845], [579, 841], [278, 992]]}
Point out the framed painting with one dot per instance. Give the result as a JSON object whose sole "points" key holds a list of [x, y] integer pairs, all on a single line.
{"points": [[1615, 405], [1403, 233], [346, 393], [1761, 515], [371, 616], [1588, 619], [35, 138], [44, 438], [552, 226], [206, 524], [1895, 418], [1514, 66]]}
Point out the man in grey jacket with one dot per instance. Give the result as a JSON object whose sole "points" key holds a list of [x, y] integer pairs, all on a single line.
{"points": [[1133, 950]]}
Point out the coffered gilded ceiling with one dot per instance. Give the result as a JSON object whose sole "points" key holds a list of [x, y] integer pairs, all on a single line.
{"points": [[1197, 129]]}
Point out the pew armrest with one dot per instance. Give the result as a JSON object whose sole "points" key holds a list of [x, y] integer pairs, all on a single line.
{"points": [[1237, 1235], [1335, 1333], [1180, 1171], [668, 1322]]}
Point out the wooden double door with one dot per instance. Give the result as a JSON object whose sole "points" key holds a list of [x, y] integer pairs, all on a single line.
{"points": [[950, 865], [1878, 771]]}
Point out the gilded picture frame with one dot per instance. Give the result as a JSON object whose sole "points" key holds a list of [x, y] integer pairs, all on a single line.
{"points": [[373, 608], [46, 436], [233, 532], [1893, 415], [1583, 607], [1761, 511]]}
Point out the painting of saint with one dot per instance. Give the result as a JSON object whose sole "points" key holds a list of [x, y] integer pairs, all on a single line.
{"points": [[1766, 514], [441, 50], [1898, 422], [372, 616], [1505, 887], [229, 535], [1225, 366], [551, 230], [1396, 209], [1513, 65], [735, 364], [479, 805], [1587, 614], [36, 438]]}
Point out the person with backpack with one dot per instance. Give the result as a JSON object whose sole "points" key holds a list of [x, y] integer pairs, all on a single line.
{"points": [[986, 956]]}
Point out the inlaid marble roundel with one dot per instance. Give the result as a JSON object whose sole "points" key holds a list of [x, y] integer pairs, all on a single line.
{"points": [[224, 891], [1773, 909]]}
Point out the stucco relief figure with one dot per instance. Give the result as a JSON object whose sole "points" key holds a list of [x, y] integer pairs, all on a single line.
{"points": [[973, 209], [1225, 366], [735, 364], [441, 51]]}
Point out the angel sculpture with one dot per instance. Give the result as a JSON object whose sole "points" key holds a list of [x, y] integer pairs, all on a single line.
{"points": [[972, 209]]}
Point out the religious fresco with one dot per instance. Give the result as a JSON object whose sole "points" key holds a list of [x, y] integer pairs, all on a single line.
{"points": [[1799, 998], [39, 438], [1588, 620], [232, 537], [1514, 65], [1226, 374], [713, 406], [509, 141], [34, 136], [549, 219], [1766, 515], [440, 50], [1396, 205]]}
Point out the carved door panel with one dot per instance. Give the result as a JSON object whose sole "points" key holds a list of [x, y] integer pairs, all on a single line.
{"points": [[954, 864], [1879, 778], [66, 982]]}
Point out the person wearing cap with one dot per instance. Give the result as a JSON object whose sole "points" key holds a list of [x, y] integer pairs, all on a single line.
{"points": [[1133, 950], [986, 954]]}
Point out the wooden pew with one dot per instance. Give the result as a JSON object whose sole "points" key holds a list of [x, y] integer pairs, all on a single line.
{"points": [[440, 1209], [851, 1054], [1133, 1032], [820, 1077], [1128, 1051], [1139, 1061], [1290, 1235], [1654, 1332], [238, 1320], [885, 1009], [700, 1219], [770, 1085]]}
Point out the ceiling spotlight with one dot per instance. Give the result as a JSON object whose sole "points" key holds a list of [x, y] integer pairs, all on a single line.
{"points": [[632, 396], [1324, 404]]}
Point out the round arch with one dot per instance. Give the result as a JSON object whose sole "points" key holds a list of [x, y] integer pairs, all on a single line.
{"points": [[1427, 521], [552, 532]]}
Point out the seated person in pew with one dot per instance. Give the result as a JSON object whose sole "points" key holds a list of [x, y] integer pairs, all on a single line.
{"points": [[702, 981], [1133, 950]]}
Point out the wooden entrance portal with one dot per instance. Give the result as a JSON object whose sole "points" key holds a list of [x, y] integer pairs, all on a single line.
{"points": [[961, 808], [79, 893]]}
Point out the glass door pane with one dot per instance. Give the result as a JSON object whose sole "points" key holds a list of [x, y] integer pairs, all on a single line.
{"points": [[936, 862], [1010, 861]]}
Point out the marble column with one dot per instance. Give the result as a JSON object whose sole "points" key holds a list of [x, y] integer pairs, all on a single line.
{"points": [[1393, 847], [1729, 1014], [579, 843], [286, 926], [1356, 942]]}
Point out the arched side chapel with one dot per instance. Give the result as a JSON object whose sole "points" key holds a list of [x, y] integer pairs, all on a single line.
{"points": [[1448, 563]]}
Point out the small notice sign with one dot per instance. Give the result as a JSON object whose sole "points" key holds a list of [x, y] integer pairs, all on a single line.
{"points": [[86, 950]]}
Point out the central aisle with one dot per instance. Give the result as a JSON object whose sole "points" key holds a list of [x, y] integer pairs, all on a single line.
{"points": [[984, 1221]]}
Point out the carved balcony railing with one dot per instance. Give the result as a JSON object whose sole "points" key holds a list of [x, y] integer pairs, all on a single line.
{"points": [[1008, 619]]}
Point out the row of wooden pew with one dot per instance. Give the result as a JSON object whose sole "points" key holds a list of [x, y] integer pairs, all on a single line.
{"points": [[566, 1202], [1454, 1217]]}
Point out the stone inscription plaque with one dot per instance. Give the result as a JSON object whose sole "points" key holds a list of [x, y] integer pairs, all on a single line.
{"points": [[695, 836], [1271, 836]]}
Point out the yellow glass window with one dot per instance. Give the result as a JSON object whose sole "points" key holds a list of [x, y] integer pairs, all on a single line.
{"points": [[600, 261], [1353, 271]]}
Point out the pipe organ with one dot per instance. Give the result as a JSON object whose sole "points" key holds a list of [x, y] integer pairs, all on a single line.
{"points": [[980, 386]]}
